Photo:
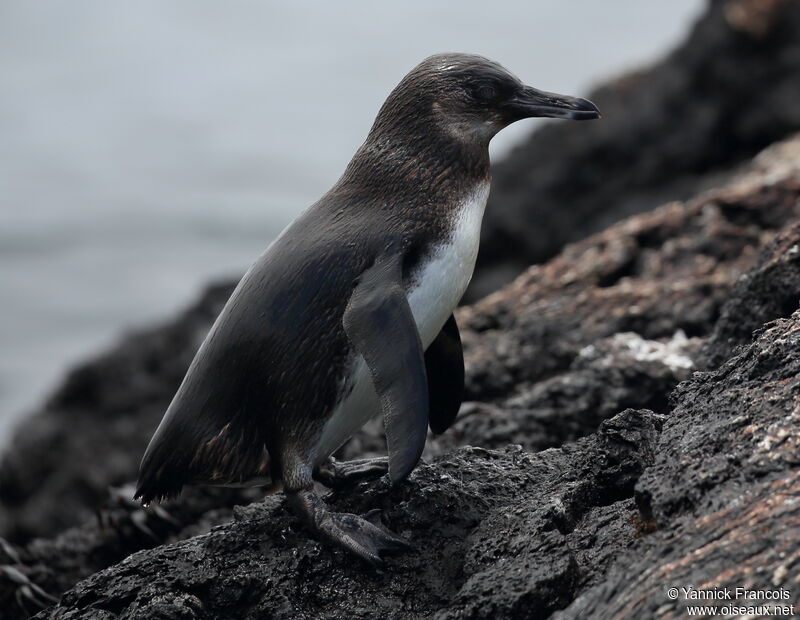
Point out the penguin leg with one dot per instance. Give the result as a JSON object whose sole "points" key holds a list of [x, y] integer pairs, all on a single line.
{"points": [[363, 536], [334, 474]]}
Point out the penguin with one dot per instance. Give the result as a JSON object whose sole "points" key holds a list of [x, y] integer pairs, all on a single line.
{"points": [[349, 312]]}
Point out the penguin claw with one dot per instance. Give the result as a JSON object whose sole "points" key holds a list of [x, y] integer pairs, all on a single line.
{"points": [[366, 537]]}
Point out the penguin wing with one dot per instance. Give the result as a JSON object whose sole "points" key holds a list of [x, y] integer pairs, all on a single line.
{"points": [[379, 324], [444, 364]]}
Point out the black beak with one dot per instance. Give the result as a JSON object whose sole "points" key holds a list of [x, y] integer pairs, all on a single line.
{"points": [[529, 102]]}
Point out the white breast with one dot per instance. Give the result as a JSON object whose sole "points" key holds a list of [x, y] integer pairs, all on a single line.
{"points": [[443, 278], [438, 286]]}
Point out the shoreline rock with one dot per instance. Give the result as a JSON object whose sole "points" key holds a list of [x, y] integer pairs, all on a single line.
{"points": [[263, 563]]}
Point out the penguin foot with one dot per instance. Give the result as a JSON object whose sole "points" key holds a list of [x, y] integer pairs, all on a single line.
{"points": [[334, 474], [365, 537]]}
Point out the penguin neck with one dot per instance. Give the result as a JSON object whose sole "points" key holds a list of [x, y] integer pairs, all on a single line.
{"points": [[422, 160]]}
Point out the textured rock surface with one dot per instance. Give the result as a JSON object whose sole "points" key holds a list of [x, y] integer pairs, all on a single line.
{"points": [[723, 490], [263, 564], [120, 528], [767, 292], [667, 132]]}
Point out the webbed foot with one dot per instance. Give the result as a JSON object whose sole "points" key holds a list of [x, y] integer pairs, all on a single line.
{"points": [[334, 474], [365, 537]]}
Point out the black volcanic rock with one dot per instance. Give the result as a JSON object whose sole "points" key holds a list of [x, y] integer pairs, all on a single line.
{"points": [[722, 492], [495, 533], [769, 291]]}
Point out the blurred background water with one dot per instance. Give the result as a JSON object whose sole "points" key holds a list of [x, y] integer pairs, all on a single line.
{"points": [[148, 147]]}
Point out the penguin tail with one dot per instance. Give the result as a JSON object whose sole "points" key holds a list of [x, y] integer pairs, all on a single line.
{"points": [[159, 478], [172, 459], [154, 493], [201, 449]]}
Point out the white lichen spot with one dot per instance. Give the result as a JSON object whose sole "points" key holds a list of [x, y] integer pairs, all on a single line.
{"points": [[671, 353], [675, 354]]}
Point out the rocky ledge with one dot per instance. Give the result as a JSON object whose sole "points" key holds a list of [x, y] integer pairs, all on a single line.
{"points": [[653, 444]]}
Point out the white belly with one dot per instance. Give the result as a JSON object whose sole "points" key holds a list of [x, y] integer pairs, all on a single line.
{"points": [[439, 285]]}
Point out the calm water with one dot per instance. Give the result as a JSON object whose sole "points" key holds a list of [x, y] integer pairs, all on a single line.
{"points": [[147, 147]]}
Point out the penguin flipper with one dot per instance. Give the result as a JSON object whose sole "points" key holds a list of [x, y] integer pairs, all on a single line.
{"points": [[444, 364], [379, 324]]}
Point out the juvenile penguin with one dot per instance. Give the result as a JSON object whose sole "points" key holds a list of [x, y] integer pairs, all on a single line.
{"points": [[349, 312]]}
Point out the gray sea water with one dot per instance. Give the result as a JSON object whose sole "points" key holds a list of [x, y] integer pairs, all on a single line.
{"points": [[147, 147]]}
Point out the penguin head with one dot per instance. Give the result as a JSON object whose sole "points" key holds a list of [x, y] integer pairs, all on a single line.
{"points": [[472, 98]]}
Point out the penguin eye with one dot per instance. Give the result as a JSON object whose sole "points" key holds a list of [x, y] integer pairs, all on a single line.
{"points": [[486, 93]]}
